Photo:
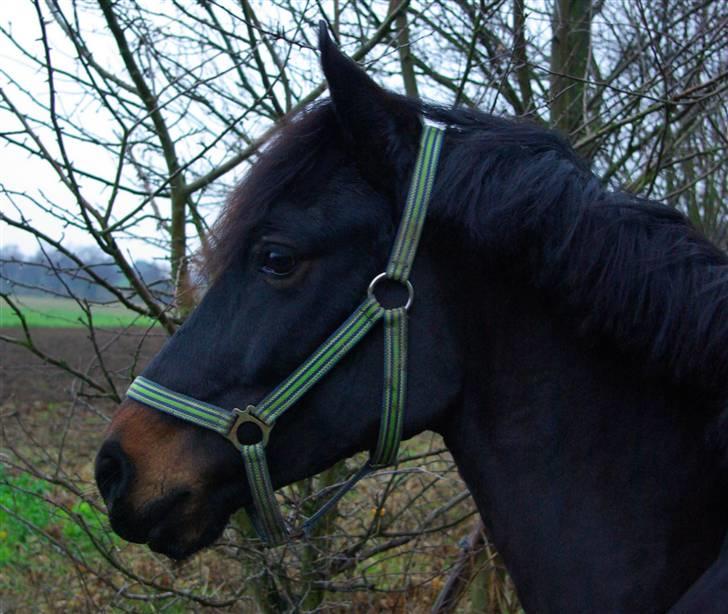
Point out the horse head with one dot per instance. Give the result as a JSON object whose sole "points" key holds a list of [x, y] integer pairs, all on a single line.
{"points": [[291, 257]]}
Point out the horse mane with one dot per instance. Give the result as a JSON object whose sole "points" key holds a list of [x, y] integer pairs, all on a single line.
{"points": [[632, 271]]}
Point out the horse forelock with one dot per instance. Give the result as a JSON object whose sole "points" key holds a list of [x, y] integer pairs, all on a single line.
{"points": [[291, 155]]}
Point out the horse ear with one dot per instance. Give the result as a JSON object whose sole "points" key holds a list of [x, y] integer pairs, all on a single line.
{"points": [[383, 127]]}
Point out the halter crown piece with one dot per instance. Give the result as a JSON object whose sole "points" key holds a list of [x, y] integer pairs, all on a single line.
{"points": [[266, 515]]}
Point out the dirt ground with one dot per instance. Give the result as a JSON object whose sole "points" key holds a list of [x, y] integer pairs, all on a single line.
{"points": [[26, 379], [44, 407]]}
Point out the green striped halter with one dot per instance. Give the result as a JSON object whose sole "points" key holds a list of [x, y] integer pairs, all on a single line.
{"points": [[235, 425]]}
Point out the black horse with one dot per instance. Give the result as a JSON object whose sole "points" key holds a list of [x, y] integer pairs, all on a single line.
{"points": [[569, 343]]}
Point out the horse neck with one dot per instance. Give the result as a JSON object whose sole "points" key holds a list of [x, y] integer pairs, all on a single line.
{"points": [[592, 479]]}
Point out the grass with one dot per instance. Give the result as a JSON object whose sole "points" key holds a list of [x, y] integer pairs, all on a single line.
{"points": [[38, 537], [26, 508], [52, 312]]}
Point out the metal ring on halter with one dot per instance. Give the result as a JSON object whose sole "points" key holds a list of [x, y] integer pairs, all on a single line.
{"points": [[405, 282]]}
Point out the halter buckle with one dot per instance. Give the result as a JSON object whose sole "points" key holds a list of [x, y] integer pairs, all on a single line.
{"points": [[245, 416], [405, 282]]}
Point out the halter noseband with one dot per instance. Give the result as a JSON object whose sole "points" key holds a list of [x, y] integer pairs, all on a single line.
{"points": [[236, 425]]}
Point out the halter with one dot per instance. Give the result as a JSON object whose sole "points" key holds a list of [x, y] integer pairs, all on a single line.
{"points": [[237, 425]]}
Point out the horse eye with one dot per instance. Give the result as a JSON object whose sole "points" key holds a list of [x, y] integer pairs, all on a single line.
{"points": [[277, 261]]}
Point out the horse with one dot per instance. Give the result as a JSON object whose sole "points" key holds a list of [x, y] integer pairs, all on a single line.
{"points": [[569, 343]]}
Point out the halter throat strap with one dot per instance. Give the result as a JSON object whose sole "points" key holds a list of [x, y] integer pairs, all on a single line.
{"points": [[237, 425]]}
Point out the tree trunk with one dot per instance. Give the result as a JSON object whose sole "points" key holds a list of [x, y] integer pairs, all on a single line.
{"points": [[403, 46], [570, 51]]}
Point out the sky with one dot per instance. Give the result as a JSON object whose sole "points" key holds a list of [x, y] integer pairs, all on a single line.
{"points": [[23, 173], [29, 178]]}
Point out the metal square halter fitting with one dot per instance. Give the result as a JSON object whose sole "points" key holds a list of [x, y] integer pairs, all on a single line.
{"points": [[246, 416]]}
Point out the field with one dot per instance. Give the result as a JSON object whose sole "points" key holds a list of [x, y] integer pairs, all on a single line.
{"points": [[38, 418], [57, 553], [52, 312]]}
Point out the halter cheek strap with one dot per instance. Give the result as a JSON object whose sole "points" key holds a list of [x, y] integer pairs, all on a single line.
{"points": [[235, 424]]}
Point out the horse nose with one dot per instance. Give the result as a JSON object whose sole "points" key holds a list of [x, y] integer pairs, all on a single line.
{"points": [[114, 472]]}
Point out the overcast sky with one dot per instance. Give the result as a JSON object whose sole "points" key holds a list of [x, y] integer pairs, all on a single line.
{"points": [[26, 174]]}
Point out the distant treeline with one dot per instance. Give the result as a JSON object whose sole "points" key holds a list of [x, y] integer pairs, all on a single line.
{"points": [[52, 272]]}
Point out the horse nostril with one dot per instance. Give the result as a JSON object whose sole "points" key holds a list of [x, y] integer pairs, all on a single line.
{"points": [[114, 472]]}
